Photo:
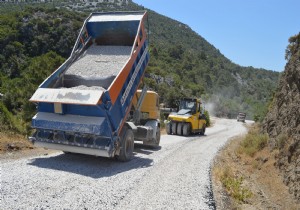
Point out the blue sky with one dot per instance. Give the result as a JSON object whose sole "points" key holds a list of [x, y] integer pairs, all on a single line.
{"points": [[248, 32]]}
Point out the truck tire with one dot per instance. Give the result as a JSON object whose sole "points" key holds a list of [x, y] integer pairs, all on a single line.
{"points": [[127, 144], [186, 129], [179, 129], [157, 138], [174, 127], [169, 128], [202, 132]]}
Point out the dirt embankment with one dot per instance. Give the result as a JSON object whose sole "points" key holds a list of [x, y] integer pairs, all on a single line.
{"points": [[283, 120], [252, 182], [11, 142]]}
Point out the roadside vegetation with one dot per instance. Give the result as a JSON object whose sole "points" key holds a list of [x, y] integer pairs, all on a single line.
{"points": [[253, 142], [208, 120], [234, 185], [245, 172], [33, 43]]}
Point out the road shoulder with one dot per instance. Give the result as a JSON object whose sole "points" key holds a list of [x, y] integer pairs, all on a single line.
{"points": [[259, 176]]}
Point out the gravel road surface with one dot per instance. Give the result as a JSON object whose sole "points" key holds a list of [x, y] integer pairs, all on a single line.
{"points": [[174, 176]]}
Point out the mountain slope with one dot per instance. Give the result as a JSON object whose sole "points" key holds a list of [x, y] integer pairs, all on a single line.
{"points": [[283, 120], [198, 68]]}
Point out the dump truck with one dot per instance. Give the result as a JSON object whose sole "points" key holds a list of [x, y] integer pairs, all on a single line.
{"points": [[85, 106], [241, 117], [190, 118]]}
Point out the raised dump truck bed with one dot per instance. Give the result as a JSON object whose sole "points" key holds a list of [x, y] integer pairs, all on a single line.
{"points": [[84, 104], [97, 66]]}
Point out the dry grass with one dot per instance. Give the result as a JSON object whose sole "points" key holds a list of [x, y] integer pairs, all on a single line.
{"points": [[234, 185], [253, 142], [235, 170], [227, 180], [13, 142]]}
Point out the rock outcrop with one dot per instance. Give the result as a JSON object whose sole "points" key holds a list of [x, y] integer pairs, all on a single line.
{"points": [[282, 123]]}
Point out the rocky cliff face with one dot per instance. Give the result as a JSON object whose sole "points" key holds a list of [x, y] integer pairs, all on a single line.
{"points": [[282, 123]]}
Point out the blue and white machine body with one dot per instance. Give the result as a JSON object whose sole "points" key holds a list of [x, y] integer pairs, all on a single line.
{"points": [[83, 112]]}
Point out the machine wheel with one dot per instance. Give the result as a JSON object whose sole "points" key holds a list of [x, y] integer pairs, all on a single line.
{"points": [[174, 127], [203, 130], [186, 129], [168, 128], [157, 138], [127, 144], [179, 129]]}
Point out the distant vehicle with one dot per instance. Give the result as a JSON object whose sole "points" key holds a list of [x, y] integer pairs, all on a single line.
{"points": [[241, 117]]}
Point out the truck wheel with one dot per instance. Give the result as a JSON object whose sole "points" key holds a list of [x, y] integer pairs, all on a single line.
{"points": [[157, 138], [174, 127], [179, 129], [186, 129], [127, 145], [168, 128], [203, 130]]}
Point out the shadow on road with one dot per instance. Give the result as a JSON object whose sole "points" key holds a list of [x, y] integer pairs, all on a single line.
{"points": [[144, 149], [91, 166]]}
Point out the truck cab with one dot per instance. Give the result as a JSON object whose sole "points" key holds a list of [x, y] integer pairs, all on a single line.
{"points": [[145, 115]]}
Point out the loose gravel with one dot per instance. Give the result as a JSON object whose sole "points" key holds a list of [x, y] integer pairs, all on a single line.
{"points": [[83, 87], [97, 66], [176, 176], [100, 61]]}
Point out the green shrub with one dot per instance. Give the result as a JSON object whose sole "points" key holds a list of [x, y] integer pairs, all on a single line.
{"points": [[234, 186], [256, 118], [9, 121], [207, 118], [254, 142]]}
